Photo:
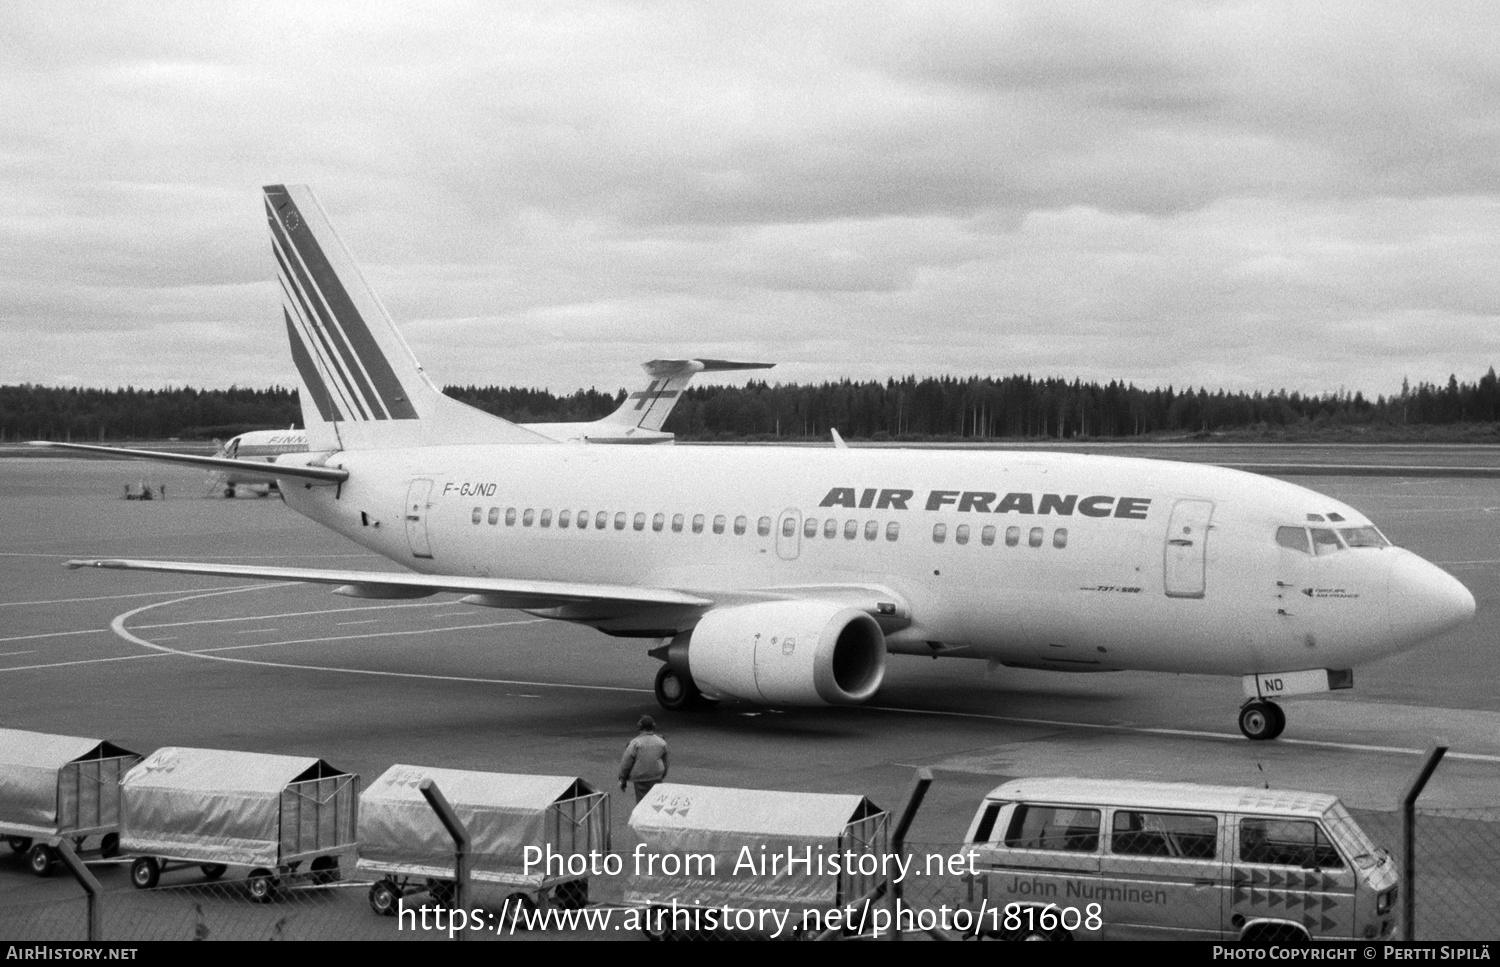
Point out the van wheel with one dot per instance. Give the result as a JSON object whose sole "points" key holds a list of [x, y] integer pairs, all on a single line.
{"points": [[1261, 721], [1277, 934], [1058, 934]]}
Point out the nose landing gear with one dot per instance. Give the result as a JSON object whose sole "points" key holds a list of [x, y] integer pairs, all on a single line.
{"points": [[1261, 720]]}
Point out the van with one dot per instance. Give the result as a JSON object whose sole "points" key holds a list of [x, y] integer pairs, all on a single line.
{"points": [[1056, 859]]}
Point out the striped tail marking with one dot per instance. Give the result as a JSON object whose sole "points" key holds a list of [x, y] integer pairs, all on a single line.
{"points": [[336, 354]]}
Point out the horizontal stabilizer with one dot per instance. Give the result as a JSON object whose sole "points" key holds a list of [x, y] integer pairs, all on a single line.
{"points": [[246, 471], [687, 367]]}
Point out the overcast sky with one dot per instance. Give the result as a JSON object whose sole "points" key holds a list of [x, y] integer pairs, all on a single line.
{"points": [[1247, 195]]}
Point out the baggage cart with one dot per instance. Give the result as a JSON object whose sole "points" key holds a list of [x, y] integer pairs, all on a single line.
{"points": [[405, 844], [712, 849], [215, 809], [56, 787]]}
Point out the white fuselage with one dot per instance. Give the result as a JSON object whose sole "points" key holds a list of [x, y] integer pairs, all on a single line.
{"points": [[1092, 563]]}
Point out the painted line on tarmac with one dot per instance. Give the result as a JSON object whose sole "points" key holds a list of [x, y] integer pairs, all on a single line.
{"points": [[12, 654], [1183, 733], [56, 634], [118, 626], [107, 597]]}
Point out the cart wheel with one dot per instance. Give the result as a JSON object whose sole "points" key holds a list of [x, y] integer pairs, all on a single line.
{"points": [[262, 885], [144, 873], [41, 859], [654, 924], [385, 898], [19, 844], [325, 869], [212, 871], [109, 846], [572, 895], [518, 909]]}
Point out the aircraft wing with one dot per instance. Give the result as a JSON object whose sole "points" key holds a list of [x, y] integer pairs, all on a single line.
{"points": [[248, 471], [493, 592]]}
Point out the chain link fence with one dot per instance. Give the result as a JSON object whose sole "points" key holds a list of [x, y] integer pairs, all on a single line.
{"points": [[927, 888]]}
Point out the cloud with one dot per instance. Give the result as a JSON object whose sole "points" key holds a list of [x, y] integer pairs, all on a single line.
{"points": [[1252, 195]]}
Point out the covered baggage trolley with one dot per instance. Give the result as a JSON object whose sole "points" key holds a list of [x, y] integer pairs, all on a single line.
{"points": [[404, 842], [746, 849], [215, 809], [56, 787]]}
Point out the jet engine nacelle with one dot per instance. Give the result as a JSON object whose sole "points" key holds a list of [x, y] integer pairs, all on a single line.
{"points": [[788, 652]]}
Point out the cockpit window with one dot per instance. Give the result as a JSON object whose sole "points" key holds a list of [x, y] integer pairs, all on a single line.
{"points": [[1363, 537], [1325, 541], [1294, 538]]}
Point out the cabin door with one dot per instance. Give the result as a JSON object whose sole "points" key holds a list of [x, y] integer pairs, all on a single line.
{"points": [[1187, 548], [416, 518]]}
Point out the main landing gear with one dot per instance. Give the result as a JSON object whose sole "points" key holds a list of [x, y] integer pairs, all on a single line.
{"points": [[1261, 720], [676, 690]]}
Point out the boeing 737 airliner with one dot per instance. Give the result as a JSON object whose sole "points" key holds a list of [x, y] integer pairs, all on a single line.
{"points": [[786, 576]]}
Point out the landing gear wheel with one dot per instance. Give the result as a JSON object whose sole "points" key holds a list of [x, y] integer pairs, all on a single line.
{"points": [[262, 885], [144, 873], [212, 871], [385, 898], [1261, 721], [18, 844], [41, 859], [676, 690]]}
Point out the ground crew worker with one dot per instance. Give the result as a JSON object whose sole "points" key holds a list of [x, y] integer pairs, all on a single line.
{"points": [[645, 759]]}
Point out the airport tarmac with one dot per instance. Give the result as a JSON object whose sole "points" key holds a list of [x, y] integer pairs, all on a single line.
{"points": [[148, 660]]}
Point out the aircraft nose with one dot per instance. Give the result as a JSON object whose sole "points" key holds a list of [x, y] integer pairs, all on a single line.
{"points": [[1425, 600]]}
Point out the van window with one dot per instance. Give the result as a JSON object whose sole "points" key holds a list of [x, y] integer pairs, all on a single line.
{"points": [[1179, 835], [1287, 842], [987, 822], [1054, 827]]}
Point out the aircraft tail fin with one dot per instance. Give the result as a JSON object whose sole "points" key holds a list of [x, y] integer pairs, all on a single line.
{"points": [[362, 389], [649, 408]]}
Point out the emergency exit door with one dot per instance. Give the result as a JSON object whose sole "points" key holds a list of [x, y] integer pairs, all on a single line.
{"points": [[416, 518], [1187, 548]]}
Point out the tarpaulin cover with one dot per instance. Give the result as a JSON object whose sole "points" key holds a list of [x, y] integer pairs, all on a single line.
{"points": [[58, 783], [504, 814], [784, 849], [239, 808]]}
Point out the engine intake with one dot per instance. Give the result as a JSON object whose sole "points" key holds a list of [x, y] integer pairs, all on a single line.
{"points": [[787, 652]]}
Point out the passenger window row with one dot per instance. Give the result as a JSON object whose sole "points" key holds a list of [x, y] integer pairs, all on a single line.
{"points": [[987, 535]]}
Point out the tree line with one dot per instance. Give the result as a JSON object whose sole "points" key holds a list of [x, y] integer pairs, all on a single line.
{"points": [[944, 407]]}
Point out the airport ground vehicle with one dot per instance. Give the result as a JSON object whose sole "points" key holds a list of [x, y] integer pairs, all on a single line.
{"points": [[56, 787], [707, 855], [511, 819], [214, 809], [1105, 859]]}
